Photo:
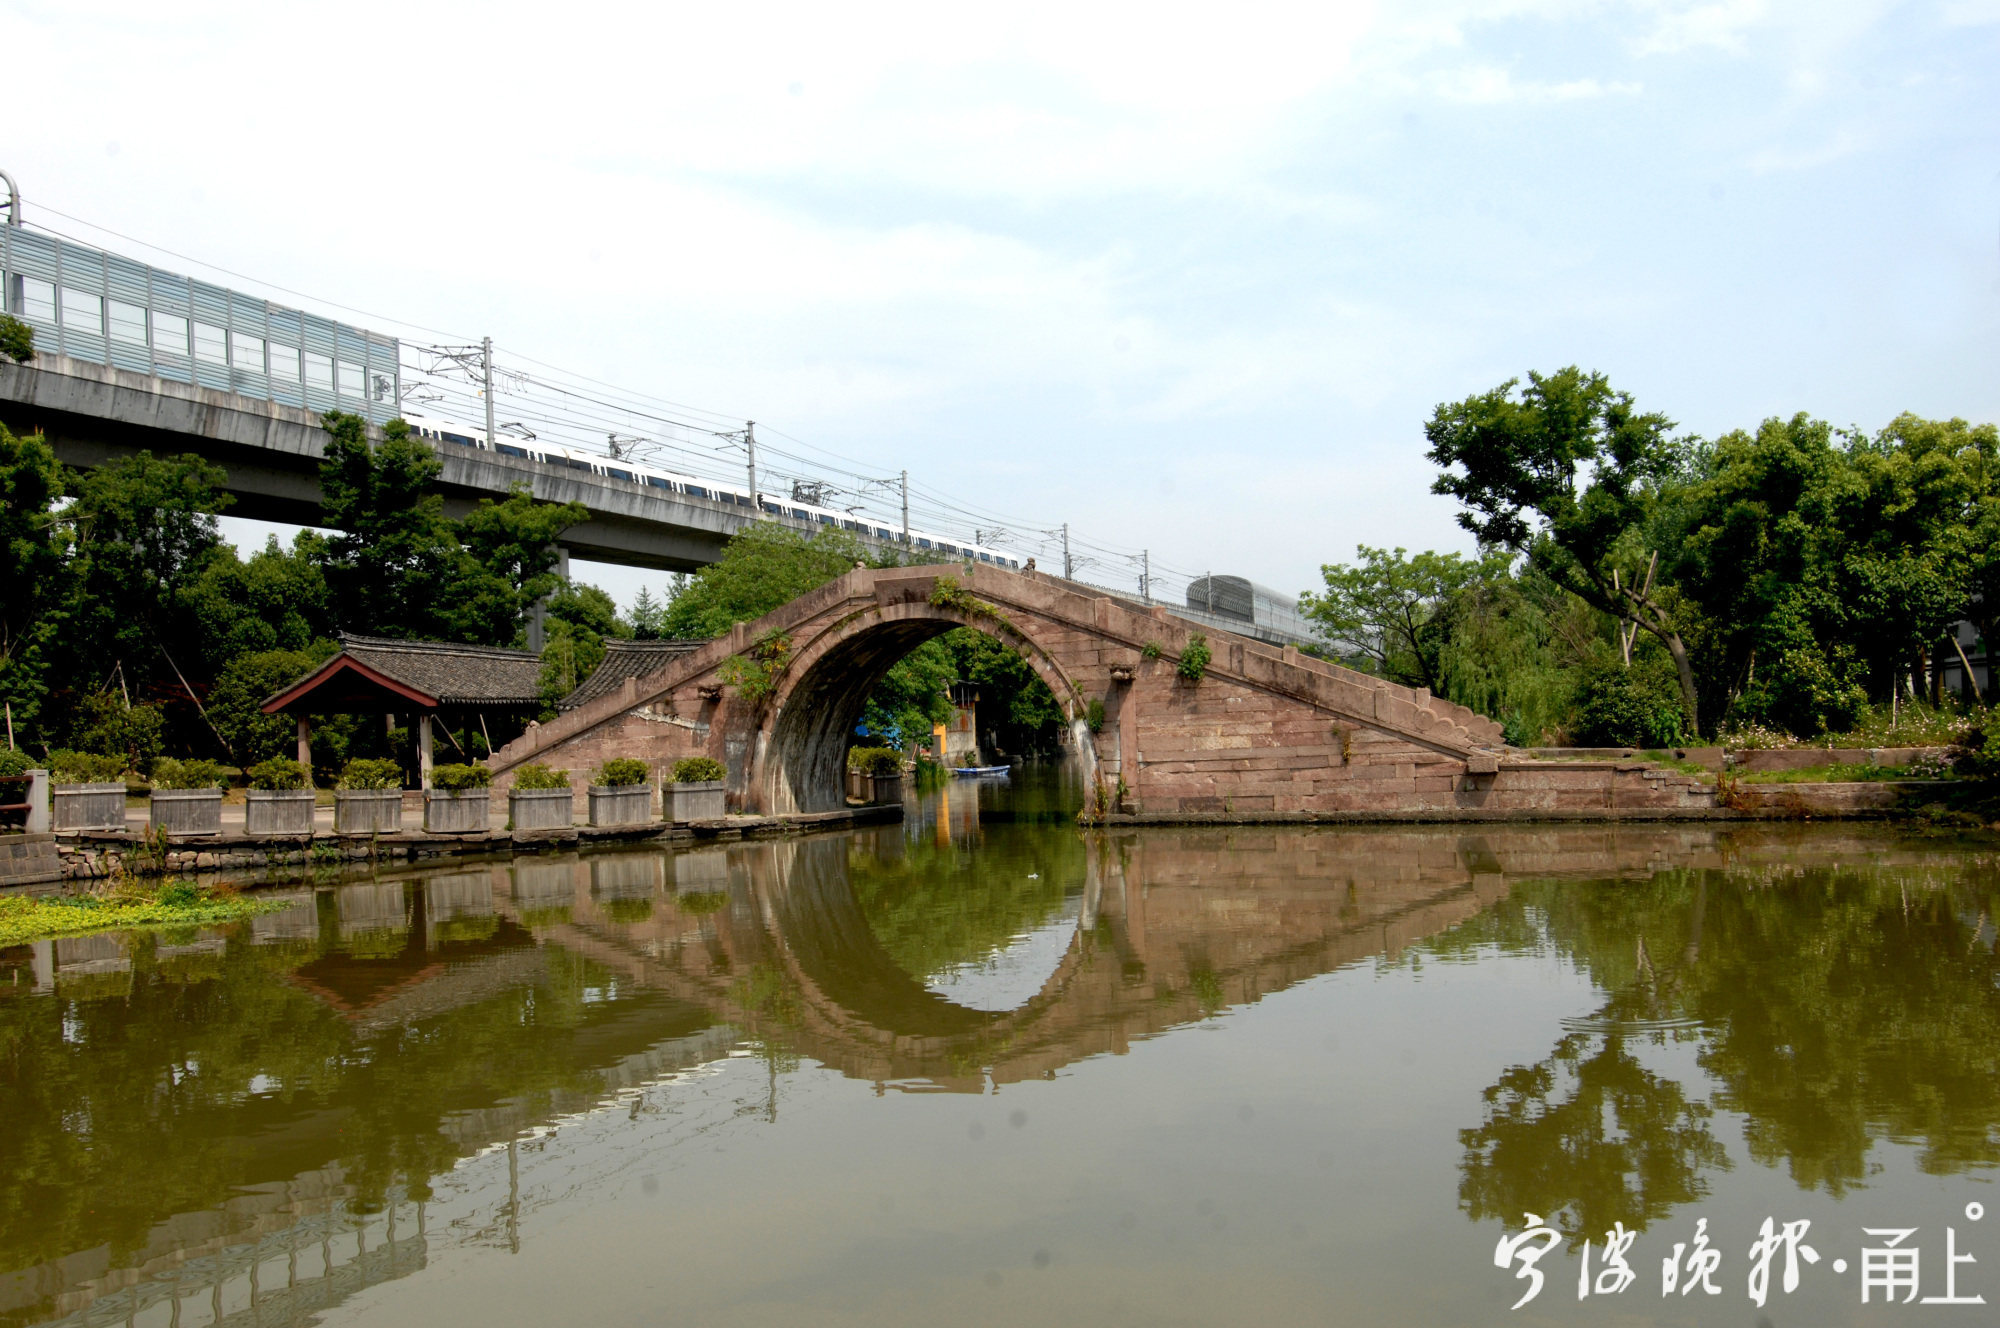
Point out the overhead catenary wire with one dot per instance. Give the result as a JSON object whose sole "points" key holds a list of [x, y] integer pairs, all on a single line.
{"points": [[566, 407]]}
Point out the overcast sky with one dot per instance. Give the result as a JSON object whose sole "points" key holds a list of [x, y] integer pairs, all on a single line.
{"points": [[1189, 277]]}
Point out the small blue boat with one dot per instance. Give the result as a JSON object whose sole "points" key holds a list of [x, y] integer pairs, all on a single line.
{"points": [[981, 771]]}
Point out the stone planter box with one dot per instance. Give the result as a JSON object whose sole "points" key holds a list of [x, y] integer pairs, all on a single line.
{"points": [[184, 813], [885, 788], [367, 811], [623, 804], [89, 806], [541, 809], [693, 802], [278, 812], [455, 813]]}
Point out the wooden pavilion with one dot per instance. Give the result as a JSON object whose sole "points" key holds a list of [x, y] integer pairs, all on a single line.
{"points": [[380, 675]]}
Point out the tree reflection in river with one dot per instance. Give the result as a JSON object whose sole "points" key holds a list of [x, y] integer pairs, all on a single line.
{"points": [[1831, 1005]]}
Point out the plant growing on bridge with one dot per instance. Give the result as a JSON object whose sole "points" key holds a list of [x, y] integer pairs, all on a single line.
{"points": [[622, 772], [754, 673], [947, 593], [362, 773], [1093, 715], [1193, 663], [698, 770], [1151, 650], [539, 776], [460, 778], [17, 339]]}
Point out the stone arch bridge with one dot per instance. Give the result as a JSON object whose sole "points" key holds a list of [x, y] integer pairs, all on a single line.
{"points": [[1266, 732]]}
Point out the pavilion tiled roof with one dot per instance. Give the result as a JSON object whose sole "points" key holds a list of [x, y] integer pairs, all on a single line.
{"points": [[441, 673], [626, 659]]}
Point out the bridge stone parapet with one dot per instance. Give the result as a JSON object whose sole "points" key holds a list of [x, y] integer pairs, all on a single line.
{"points": [[1266, 730]]}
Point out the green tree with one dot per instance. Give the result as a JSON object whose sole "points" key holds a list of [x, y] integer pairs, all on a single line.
{"points": [[1017, 711], [763, 567], [1396, 612], [648, 617], [579, 618], [32, 570], [392, 568], [511, 547], [236, 702], [1569, 472], [17, 339], [276, 600]]}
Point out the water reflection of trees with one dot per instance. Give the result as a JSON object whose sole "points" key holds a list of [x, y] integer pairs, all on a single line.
{"points": [[203, 1078], [1831, 1007]]}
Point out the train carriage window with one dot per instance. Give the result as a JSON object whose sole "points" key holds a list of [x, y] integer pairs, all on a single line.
{"points": [[211, 344], [508, 449], [923, 543], [319, 371], [825, 520], [128, 323], [617, 474], [353, 380], [694, 490], [82, 311], [883, 534], [170, 334], [284, 362], [246, 352], [38, 299]]}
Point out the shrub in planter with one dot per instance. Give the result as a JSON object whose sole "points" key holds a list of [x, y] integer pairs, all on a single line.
{"points": [[456, 802], [699, 770], [695, 791], [280, 800], [280, 774], [621, 773], [187, 797], [618, 794], [14, 762], [362, 773], [540, 799], [67, 767], [368, 798]]}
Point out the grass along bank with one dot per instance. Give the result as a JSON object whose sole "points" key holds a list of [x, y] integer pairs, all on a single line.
{"points": [[179, 903]]}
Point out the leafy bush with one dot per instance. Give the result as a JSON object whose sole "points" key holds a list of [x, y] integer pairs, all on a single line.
{"points": [[280, 772], [1621, 707], [1094, 715], [1151, 650], [622, 773], [881, 762], [460, 778], [698, 770], [197, 774], [536, 776], [1193, 663], [67, 767], [362, 773], [14, 762], [1977, 754]]}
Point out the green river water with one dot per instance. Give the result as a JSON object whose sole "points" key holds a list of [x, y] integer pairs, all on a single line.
{"points": [[986, 1067]]}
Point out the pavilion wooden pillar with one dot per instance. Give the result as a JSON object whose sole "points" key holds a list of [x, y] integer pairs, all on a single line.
{"points": [[305, 743], [424, 750]]}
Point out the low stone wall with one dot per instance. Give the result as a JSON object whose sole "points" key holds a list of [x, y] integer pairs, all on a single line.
{"points": [[29, 859], [1810, 758]]}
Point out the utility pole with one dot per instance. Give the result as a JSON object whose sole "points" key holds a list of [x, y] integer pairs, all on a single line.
{"points": [[1069, 568], [1146, 575], [486, 360], [1208, 580], [906, 509], [750, 442]]}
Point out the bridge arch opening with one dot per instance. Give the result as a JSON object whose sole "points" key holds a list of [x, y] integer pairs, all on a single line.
{"points": [[803, 743]]}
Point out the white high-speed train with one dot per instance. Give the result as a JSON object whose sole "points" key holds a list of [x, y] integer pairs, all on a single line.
{"points": [[573, 458]]}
